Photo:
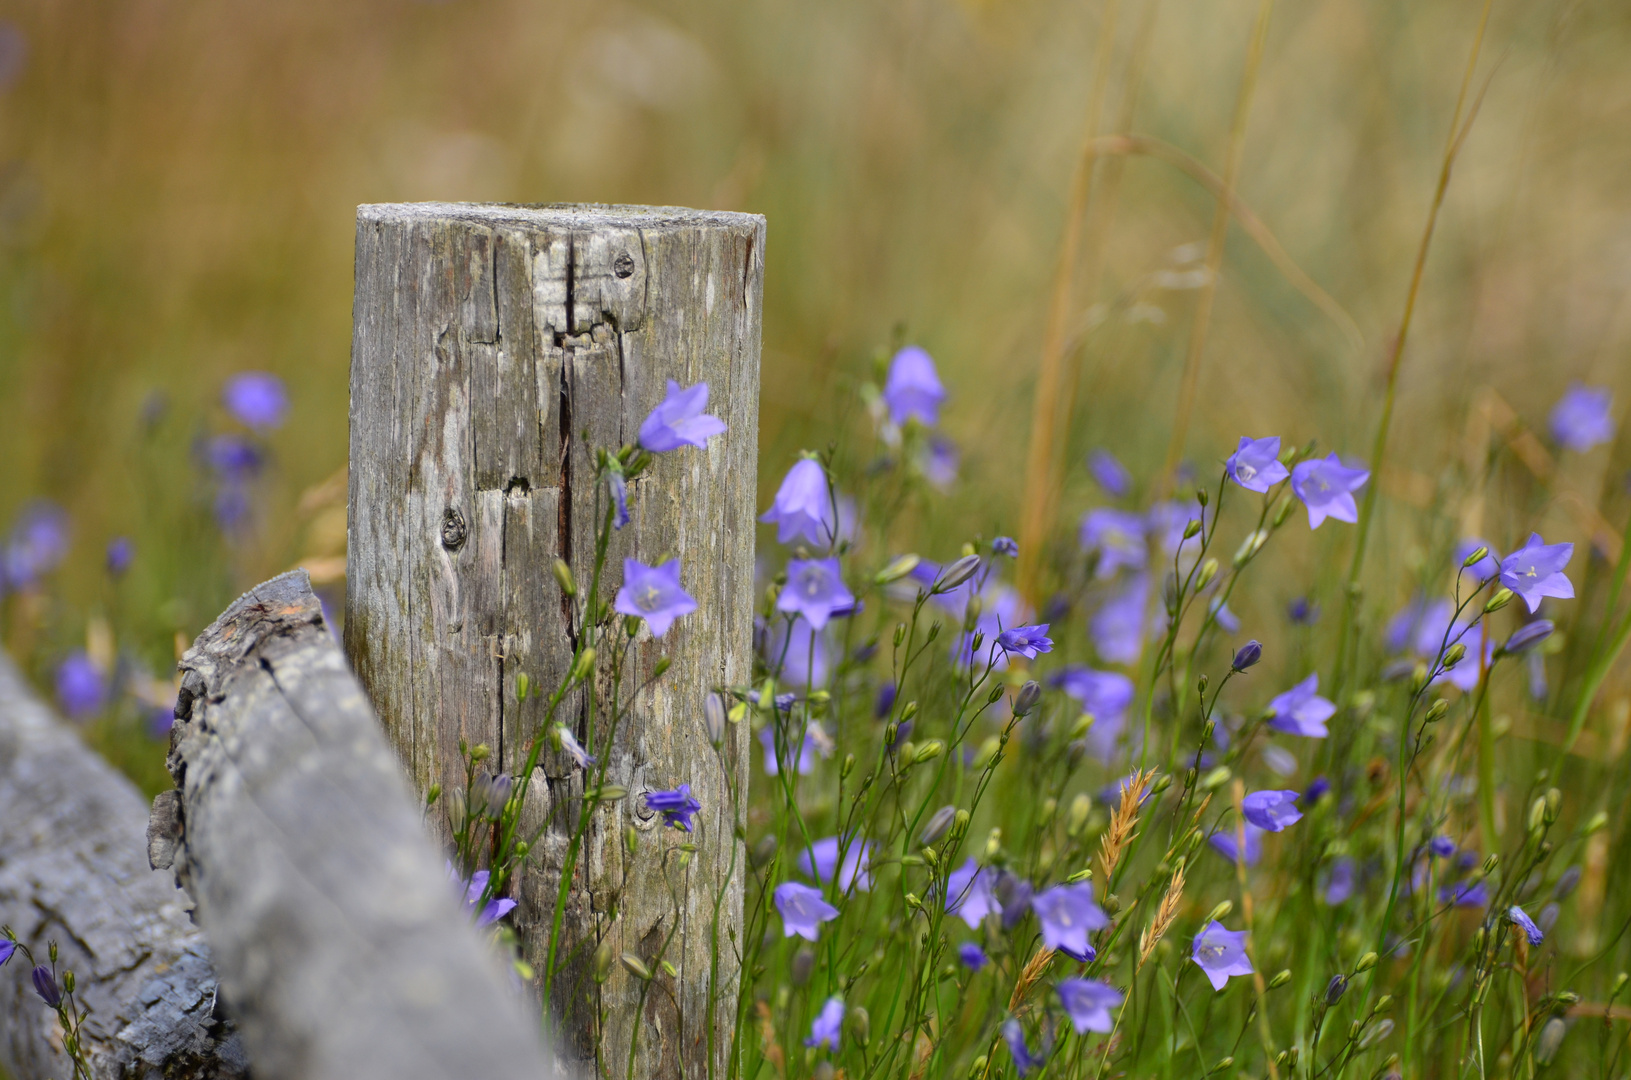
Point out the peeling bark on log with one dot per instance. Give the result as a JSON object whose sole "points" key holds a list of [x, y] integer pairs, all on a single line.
{"points": [[488, 342], [73, 868], [340, 941]]}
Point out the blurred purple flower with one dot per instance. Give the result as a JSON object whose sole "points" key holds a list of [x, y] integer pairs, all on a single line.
{"points": [[1118, 538], [1301, 711], [45, 985], [1168, 521], [1221, 953], [1441, 847], [1110, 474], [1326, 488], [802, 910], [1528, 635], [257, 399], [913, 388], [1024, 1061], [1316, 790], [569, 743], [36, 546], [885, 703], [81, 688], [1106, 695], [618, 488], [1538, 688], [1280, 760], [1535, 571], [803, 506], [1088, 1003], [813, 745], [1303, 611], [828, 1026], [1255, 464], [1005, 545], [1466, 894], [972, 956], [857, 871], [121, 553], [1118, 627], [653, 593], [1581, 418], [815, 589], [495, 909], [1013, 895], [679, 420], [1339, 884], [1226, 619], [797, 654], [1271, 810], [1068, 915], [1225, 843], [940, 462]]}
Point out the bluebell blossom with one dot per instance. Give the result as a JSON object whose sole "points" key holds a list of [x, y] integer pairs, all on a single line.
{"points": [[913, 390], [618, 488], [1535, 571], [1000, 607], [1005, 545], [1226, 619], [677, 807], [815, 743], [969, 893], [1581, 419], [653, 593], [820, 861], [1117, 537], [7, 948], [971, 955], [803, 507], [1068, 915], [1169, 521], [797, 654], [1106, 695], [1221, 954], [45, 985], [1466, 894], [1088, 1003], [1027, 641], [495, 908], [1301, 711], [569, 743], [1326, 487], [1109, 473], [828, 1026], [815, 589], [1317, 790], [802, 909], [1271, 810], [679, 420], [1255, 464], [885, 701], [1013, 895]]}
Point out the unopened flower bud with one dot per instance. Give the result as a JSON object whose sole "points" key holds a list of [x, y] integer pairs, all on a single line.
{"points": [[433, 794], [635, 966], [1216, 778], [1080, 807], [713, 719], [1383, 1003], [1366, 962], [1476, 557], [585, 665], [1528, 636], [1550, 1038], [1436, 711], [1537, 813], [1500, 600], [959, 825], [1454, 654], [803, 965], [604, 955], [1221, 911], [481, 753], [957, 573], [631, 840], [498, 793], [763, 851], [1083, 724], [938, 825], [1335, 989], [929, 751], [563, 577], [1209, 570], [993, 846], [860, 1025], [1280, 980], [898, 567], [1554, 802], [988, 752], [1191, 528], [1247, 655], [1028, 696]]}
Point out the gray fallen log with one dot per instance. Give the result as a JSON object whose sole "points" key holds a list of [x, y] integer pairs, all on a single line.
{"points": [[340, 941], [73, 867], [494, 348]]}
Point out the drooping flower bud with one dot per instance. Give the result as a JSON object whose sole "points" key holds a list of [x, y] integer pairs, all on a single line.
{"points": [[1247, 655], [713, 719], [1028, 696], [46, 986], [938, 825], [957, 573]]}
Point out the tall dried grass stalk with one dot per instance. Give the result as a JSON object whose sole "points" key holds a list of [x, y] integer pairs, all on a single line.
{"points": [[1164, 916], [1120, 830], [1034, 969], [1214, 246]]}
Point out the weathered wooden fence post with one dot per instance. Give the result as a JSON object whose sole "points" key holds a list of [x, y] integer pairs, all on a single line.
{"points": [[494, 347]]}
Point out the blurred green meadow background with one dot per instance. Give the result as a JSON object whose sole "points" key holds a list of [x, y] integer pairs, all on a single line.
{"points": [[178, 184]]}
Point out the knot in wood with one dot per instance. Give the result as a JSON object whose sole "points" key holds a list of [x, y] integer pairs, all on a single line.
{"points": [[454, 529], [623, 265]]}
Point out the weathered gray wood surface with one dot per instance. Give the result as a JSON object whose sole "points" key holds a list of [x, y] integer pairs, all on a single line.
{"points": [[73, 866], [488, 340], [340, 941]]}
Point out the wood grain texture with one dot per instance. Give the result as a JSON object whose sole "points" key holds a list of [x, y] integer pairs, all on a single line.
{"points": [[73, 867], [494, 348], [340, 941]]}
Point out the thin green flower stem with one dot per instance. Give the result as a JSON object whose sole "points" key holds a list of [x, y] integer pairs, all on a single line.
{"points": [[1367, 510]]}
